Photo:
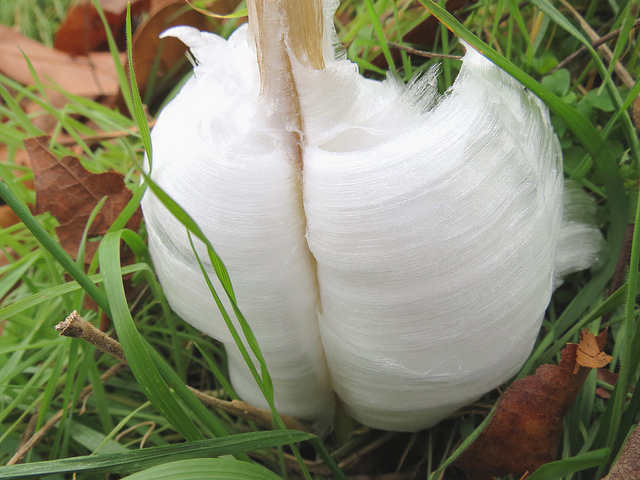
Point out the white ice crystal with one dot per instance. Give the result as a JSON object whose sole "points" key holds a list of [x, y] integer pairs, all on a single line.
{"points": [[404, 261]]}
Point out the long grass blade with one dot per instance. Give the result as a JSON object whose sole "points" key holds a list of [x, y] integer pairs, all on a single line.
{"points": [[568, 466], [137, 460], [206, 469], [377, 27], [142, 366]]}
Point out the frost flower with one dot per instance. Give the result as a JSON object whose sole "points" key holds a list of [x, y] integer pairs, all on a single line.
{"points": [[388, 245]]}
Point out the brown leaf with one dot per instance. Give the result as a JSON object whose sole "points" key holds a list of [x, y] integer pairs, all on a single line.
{"points": [[7, 216], [589, 354], [628, 465], [525, 431], [90, 76], [607, 376], [70, 193], [82, 30], [163, 61]]}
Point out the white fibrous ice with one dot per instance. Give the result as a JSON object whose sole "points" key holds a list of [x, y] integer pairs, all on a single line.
{"points": [[387, 244]]}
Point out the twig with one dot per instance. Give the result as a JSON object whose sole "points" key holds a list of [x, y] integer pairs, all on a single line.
{"points": [[604, 49], [39, 435], [68, 140], [421, 53], [76, 327], [31, 427], [594, 44]]}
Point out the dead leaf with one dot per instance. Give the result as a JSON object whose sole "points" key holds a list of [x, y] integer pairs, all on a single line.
{"points": [[525, 431], [589, 354], [628, 465], [70, 193], [82, 30], [609, 378], [161, 62], [90, 76], [7, 216]]}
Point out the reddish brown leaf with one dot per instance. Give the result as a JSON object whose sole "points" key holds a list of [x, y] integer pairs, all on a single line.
{"points": [[7, 217], [602, 393], [525, 431], [628, 465], [607, 376], [90, 76], [70, 193], [82, 30], [162, 61]]}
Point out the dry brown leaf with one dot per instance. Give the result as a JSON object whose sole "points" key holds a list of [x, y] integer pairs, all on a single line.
{"points": [[525, 431], [589, 354], [70, 193], [608, 377], [166, 57], [628, 465], [82, 30], [7, 216], [90, 76]]}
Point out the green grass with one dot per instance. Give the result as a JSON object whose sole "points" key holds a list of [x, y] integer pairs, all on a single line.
{"points": [[41, 374], [34, 18]]}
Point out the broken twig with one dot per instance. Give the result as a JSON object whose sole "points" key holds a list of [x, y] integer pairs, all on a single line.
{"points": [[77, 327]]}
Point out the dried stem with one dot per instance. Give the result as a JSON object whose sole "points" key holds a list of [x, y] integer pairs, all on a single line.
{"points": [[76, 327], [67, 140], [422, 53], [605, 51], [594, 44]]}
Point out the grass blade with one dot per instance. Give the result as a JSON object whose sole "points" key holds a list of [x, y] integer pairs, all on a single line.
{"points": [[142, 366], [206, 469], [568, 466], [136, 460]]}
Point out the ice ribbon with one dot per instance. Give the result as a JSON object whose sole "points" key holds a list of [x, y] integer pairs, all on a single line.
{"points": [[405, 264]]}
